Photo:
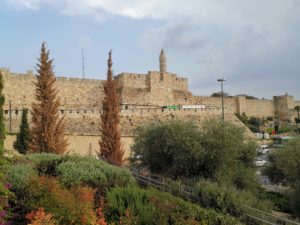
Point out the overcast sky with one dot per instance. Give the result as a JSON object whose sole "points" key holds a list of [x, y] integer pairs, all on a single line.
{"points": [[254, 44]]}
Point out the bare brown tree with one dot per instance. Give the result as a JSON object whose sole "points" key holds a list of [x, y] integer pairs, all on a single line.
{"points": [[110, 143], [47, 132]]}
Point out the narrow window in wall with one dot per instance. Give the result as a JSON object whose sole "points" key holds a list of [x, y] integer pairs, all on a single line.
{"points": [[17, 112], [6, 111]]}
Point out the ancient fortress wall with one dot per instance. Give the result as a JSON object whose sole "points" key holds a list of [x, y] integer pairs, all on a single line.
{"points": [[19, 89], [229, 103], [259, 108], [141, 97]]}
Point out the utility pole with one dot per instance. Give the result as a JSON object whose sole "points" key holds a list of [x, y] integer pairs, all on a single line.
{"points": [[82, 54], [9, 116], [222, 80]]}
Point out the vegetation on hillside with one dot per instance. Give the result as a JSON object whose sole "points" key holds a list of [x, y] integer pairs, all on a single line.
{"points": [[253, 123], [216, 160], [54, 189], [284, 167], [218, 151], [110, 143], [47, 132]]}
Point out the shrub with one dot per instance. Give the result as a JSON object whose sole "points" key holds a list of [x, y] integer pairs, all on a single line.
{"points": [[227, 199], [172, 148], [39, 217], [219, 150], [154, 207], [74, 206], [281, 201], [46, 163], [92, 172], [20, 176], [6, 196]]}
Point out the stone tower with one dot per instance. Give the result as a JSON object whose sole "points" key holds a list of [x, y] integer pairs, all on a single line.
{"points": [[162, 62]]}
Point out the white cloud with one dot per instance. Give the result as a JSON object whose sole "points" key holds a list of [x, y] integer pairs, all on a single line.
{"points": [[244, 39]]}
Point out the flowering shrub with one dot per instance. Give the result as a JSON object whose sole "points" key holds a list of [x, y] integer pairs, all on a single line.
{"points": [[5, 195], [39, 217], [74, 206], [5, 209]]}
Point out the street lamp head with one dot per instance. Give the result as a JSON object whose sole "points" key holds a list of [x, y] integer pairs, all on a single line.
{"points": [[221, 80]]}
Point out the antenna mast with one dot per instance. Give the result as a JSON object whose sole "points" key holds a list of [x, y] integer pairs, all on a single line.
{"points": [[82, 53]]}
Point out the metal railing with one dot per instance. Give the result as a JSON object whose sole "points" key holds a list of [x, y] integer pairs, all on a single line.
{"points": [[247, 214]]}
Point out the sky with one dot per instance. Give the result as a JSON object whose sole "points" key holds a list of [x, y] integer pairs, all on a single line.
{"points": [[253, 44]]}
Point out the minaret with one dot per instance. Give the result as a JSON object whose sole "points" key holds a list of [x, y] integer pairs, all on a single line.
{"points": [[162, 62]]}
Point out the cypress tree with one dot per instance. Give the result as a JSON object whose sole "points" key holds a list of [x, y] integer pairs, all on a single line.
{"points": [[47, 132], [110, 143], [21, 143], [2, 130]]}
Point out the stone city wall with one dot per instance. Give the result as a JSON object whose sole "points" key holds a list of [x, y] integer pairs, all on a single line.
{"points": [[259, 108], [87, 121], [19, 89], [84, 145], [229, 103], [141, 95]]}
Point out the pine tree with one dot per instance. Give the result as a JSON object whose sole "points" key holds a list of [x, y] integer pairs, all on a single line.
{"points": [[2, 130], [110, 143], [47, 132], [21, 143]]}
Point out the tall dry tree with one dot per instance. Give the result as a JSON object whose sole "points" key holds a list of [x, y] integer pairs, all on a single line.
{"points": [[110, 143], [47, 132]]}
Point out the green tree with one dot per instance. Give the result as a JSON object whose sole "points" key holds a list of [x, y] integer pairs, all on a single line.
{"points": [[285, 166], [218, 151], [110, 143], [21, 143], [172, 148], [219, 94], [2, 130]]}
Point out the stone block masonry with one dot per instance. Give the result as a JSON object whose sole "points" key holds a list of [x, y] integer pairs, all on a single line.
{"points": [[142, 97]]}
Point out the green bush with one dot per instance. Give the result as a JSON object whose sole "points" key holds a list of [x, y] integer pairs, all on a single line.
{"points": [[77, 170], [46, 163], [227, 199], [6, 195], [281, 201], [20, 176], [153, 207], [92, 172], [179, 148]]}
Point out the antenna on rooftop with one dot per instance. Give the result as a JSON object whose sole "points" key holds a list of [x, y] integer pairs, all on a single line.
{"points": [[82, 54]]}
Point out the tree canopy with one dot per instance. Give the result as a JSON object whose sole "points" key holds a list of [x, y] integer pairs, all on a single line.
{"points": [[21, 143], [179, 148], [284, 167]]}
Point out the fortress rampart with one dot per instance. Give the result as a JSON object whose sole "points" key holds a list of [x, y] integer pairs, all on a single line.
{"points": [[141, 95], [141, 98]]}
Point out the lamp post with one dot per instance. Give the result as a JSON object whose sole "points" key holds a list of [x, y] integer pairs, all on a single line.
{"points": [[222, 92]]}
